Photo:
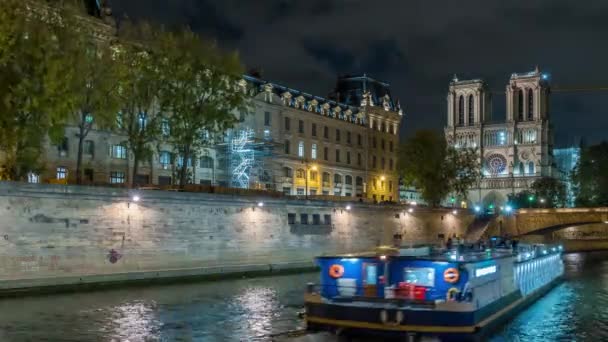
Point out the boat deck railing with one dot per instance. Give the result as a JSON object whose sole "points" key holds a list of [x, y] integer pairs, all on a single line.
{"points": [[367, 296]]}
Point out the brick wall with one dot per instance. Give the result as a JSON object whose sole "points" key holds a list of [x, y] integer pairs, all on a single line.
{"points": [[58, 231]]}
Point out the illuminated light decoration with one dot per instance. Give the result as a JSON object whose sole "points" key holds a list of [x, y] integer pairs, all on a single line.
{"points": [[414, 204], [241, 158], [455, 212], [348, 207], [480, 272], [477, 208], [560, 247], [508, 209], [410, 210], [491, 206], [544, 251], [452, 199], [453, 256], [351, 260], [135, 198], [260, 204], [553, 249], [382, 178], [383, 257]]}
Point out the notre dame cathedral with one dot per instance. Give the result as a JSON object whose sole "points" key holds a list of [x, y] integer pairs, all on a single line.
{"points": [[514, 152]]}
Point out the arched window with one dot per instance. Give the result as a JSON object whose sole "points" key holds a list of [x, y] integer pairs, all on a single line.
{"points": [[471, 110], [521, 168], [520, 107], [300, 173], [461, 111], [206, 162], [530, 105], [348, 180], [531, 168], [337, 178], [359, 181]]}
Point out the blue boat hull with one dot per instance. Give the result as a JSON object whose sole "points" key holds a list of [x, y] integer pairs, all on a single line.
{"points": [[450, 325]]}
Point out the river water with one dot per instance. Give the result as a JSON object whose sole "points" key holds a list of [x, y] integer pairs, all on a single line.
{"points": [[259, 309]]}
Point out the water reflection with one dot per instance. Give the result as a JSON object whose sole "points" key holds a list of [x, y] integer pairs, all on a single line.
{"points": [[257, 309]]}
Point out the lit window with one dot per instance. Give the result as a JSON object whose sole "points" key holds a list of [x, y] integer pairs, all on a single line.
{"points": [[165, 157], [180, 161], [33, 177], [301, 149], [313, 151], [119, 120], [142, 120], [62, 172], [165, 128], [119, 152], [117, 177]]}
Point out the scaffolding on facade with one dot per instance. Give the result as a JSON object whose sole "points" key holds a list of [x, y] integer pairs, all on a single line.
{"points": [[247, 157]]}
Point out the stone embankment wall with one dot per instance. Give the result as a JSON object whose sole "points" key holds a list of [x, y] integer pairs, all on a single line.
{"points": [[58, 235]]}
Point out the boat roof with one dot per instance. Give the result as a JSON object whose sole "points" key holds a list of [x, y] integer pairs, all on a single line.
{"points": [[410, 253]]}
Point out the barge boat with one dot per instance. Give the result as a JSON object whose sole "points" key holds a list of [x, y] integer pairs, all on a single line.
{"points": [[453, 294]]}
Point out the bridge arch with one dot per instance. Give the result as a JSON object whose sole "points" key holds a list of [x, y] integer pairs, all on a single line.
{"points": [[546, 221]]}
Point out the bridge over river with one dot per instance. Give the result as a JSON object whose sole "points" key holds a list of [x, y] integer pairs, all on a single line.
{"points": [[579, 228]]}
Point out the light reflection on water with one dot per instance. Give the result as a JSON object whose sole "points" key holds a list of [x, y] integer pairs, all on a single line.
{"points": [[255, 309]]}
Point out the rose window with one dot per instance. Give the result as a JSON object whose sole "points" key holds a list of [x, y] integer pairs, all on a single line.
{"points": [[496, 163]]}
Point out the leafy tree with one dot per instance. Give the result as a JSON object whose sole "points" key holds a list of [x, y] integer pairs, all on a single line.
{"points": [[201, 95], [91, 80], [30, 95], [551, 191], [523, 199], [140, 83], [426, 162], [590, 177]]}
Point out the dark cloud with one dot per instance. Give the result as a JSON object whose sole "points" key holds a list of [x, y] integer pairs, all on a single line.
{"points": [[415, 45]]}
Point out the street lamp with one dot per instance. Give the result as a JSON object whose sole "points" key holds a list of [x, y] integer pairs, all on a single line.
{"points": [[542, 202], [307, 168], [530, 199]]}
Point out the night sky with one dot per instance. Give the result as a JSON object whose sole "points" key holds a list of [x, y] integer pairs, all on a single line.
{"points": [[416, 46]]}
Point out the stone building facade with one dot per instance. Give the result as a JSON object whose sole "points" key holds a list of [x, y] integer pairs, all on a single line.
{"points": [[292, 142], [514, 153]]}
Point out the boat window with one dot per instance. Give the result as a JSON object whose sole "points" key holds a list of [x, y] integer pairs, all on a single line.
{"points": [[424, 276], [371, 274]]}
